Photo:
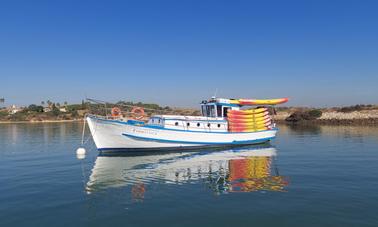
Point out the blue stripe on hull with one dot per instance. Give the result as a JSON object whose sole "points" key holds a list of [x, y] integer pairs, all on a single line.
{"points": [[200, 143]]}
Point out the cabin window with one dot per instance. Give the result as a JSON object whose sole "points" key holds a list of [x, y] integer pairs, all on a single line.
{"points": [[210, 111], [213, 111], [208, 125], [188, 124], [219, 125], [219, 111], [198, 124], [176, 123], [204, 113], [159, 121], [225, 110]]}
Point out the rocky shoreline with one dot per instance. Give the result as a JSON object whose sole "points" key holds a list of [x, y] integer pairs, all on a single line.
{"points": [[330, 117], [364, 122]]}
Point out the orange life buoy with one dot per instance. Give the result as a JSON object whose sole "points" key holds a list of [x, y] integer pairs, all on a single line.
{"points": [[137, 113], [116, 112]]}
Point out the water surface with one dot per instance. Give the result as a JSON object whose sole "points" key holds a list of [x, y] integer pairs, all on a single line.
{"points": [[309, 176]]}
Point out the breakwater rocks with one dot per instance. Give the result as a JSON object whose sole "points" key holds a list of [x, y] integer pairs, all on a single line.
{"points": [[332, 117]]}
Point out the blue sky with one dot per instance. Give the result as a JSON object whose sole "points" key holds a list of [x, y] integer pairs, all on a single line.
{"points": [[318, 53]]}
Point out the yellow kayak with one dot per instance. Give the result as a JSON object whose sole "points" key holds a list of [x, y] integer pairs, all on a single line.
{"points": [[259, 101], [250, 124], [251, 120], [248, 112], [243, 116], [247, 129]]}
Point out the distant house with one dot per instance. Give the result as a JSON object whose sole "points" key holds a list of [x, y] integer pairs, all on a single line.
{"points": [[46, 109], [63, 109], [14, 109]]}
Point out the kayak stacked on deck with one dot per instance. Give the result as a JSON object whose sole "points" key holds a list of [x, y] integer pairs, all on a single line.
{"points": [[250, 102], [251, 120]]}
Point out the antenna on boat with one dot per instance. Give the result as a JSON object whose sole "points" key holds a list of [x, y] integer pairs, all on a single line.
{"points": [[215, 93]]}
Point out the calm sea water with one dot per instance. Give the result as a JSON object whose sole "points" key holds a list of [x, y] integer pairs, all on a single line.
{"points": [[309, 176]]}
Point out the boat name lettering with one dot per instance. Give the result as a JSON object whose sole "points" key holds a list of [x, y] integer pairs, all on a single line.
{"points": [[144, 131]]}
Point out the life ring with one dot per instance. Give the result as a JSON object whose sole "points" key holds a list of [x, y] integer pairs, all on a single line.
{"points": [[116, 112], [137, 113]]}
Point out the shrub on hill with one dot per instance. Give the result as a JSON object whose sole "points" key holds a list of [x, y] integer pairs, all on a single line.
{"points": [[35, 108], [305, 115], [3, 115], [348, 109], [316, 113]]}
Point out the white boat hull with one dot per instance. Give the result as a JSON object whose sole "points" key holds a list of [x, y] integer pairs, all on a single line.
{"points": [[115, 135]]}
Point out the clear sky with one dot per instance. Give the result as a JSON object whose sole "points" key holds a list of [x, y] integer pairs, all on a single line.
{"points": [[318, 53]]}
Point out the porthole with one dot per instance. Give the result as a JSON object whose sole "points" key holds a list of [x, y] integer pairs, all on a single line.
{"points": [[188, 124], [208, 125], [219, 125], [176, 124], [198, 124]]}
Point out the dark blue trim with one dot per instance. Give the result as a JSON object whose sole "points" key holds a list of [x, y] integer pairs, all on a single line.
{"points": [[204, 143], [227, 104], [135, 122]]}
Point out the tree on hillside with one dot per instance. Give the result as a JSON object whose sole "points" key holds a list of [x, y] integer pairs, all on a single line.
{"points": [[55, 110], [65, 103], [35, 108], [43, 103]]}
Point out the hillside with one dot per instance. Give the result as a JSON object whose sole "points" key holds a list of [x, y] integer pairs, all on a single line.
{"points": [[358, 114]]}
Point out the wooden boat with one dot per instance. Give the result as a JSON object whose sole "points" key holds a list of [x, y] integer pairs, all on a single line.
{"points": [[218, 126]]}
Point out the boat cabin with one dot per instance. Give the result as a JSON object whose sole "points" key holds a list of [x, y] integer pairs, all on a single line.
{"points": [[217, 107], [213, 119]]}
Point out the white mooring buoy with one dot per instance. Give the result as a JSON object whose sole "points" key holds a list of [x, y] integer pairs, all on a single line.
{"points": [[80, 153]]}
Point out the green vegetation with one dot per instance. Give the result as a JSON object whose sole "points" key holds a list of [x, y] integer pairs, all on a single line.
{"points": [[349, 109], [3, 114], [315, 113], [55, 111], [35, 108], [50, 112]]}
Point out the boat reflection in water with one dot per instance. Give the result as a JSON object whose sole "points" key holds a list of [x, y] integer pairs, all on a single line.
{"points": [[245, 169]]}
